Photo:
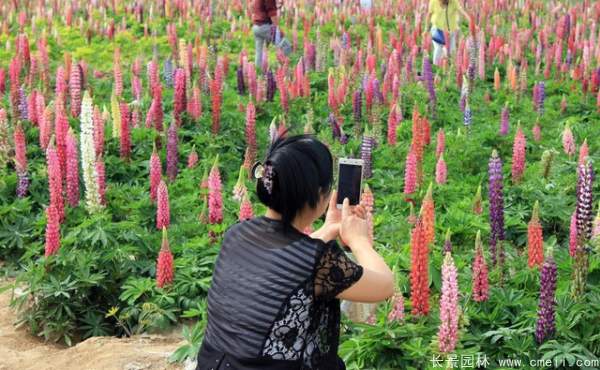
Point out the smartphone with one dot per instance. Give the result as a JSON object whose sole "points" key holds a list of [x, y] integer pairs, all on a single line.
{"points": [[349, 181]]}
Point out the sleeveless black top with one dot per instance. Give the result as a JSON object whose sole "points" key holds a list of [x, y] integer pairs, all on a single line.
{"points": [[272, 301]]}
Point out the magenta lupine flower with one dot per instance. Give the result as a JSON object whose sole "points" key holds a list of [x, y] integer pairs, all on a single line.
{"points": [[194, 107], [155, 173], [504, 120], [496, 198], [180, 96], [448, 330], [518, 164], [215, 197], [72, 171], [397, 311], [172, 156], [573, 234], [545, 326], [441, 171], [163, 214], [357, 104], [164, 263], [52, 231]]}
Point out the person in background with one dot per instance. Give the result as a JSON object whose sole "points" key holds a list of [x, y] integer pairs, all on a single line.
{"points": [[264, 17], [274, 302], [444, 16]]}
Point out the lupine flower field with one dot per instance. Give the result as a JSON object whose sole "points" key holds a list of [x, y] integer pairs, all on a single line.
{"points": [[128, 130]]}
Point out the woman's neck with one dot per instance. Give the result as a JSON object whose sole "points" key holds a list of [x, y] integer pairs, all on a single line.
{"points": [[299, 223]]}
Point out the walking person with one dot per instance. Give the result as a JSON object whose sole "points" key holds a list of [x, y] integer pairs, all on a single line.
{"points": [[274, 300], [444, 18], [264, 17]]}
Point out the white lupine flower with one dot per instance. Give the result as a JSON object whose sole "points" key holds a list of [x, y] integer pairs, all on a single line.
{"points": [[88, 156]]}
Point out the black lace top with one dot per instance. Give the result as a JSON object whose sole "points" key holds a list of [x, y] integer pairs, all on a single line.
{"points": [[272, 301]]}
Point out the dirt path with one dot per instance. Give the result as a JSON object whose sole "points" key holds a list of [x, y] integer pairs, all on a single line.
{"points": [[21, 351]]}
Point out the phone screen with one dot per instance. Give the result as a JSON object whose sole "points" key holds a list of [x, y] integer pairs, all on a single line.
{"points": [[349, 183]]}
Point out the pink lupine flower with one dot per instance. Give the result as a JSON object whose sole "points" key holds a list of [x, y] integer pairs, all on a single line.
{"points": [[448, 329], [192, 158], [568, 141], [215, 197], [164, 264], [397, 311], [180, 95], [61, 126], [440, 145], [72, 171], [118, 75], [518, 163], [155, 173], [480, 273], [573, 235], [163, 214], [392, 125], [246, 212], [441, 171], [125, 138], [55, 177], [537, 131], [410, 173], [251, 131], [75, 86], [52, 231], [583, 153], [194, 107], [98, 131]]}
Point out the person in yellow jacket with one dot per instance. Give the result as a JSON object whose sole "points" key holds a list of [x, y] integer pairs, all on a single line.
{"points": [[444, 16]]}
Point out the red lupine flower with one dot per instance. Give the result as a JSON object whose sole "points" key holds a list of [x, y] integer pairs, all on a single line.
{"points": [[428, 216], [392, 125], [180, 95], [163, 215], [98, 131], [61, 126], [419, 271], [216, 98], [164, 265], [118, 88], [194, 107], [535, 240], [480, 273], [215, 197], [72, 171], [155, 173], [52, 231], [192, 158], [75, 85], [101, 173], [55, 177], [125, 138], [246, 212]]}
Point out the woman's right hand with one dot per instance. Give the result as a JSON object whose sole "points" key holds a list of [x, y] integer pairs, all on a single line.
{"points": [[354, 230]]}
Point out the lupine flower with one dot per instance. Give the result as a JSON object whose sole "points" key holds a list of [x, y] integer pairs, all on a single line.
{"points": [[125, 134], [392, 125], [172, 155], [367, 200], [116, 116], [583, 153], [496, 198], [98, 131], [447, 243], [584, 215], [518, 163], [215, 197], [441, 171], [366, 152], [44, 121], [180, 95], [537, 131], [22, 105], [448, 330], [88, 156], [101, 173], [541, 96], [155, 173], [52, 231], [164, 265], [573, 234], [504, 120], [480, 273], [118, 75], [192, 158], [428, 216], [55, 186], [440, 145], [194, 107], [419, 272], [163, 214], [4, 141], [241, 86], [72, 171], [535, 239], [545, 326], [20, 160], [467, 116], [410, 173], [216, 98], [271, 85], [428, 79], [246, 212], [496, 79], [251, 130], [75, 85], [168, 72], [397, 311], [477, 202], [61, 126], [357, 104]]}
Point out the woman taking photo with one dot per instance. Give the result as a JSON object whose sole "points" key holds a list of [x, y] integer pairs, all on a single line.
{"points": [[274, 299], [443, 16]]}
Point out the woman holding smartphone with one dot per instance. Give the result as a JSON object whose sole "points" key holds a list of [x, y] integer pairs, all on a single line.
{"points": [[274, 299]]}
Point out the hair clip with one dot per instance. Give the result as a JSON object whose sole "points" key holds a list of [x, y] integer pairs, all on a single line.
{"points": [[264, 173]]}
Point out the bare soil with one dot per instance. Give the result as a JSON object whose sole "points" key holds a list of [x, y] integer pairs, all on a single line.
{"points": [[21, 351]]}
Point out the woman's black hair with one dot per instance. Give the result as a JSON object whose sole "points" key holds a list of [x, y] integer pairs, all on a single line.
{"points": [[302, 173]]}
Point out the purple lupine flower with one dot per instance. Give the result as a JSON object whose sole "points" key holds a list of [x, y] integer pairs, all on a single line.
{"points": [[504, 120], [584, 212], [541, 96], [467, 116], [172, 157], [496, 198], [22, 185], [366, 152], [567, 26], [569, 58], [345, 40], [335, 127], [463, 103], [377, 91], [545, 327], [271, 85], [428, 79], [168, 72], [241, 85], [357, 104], [23, 107]]}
